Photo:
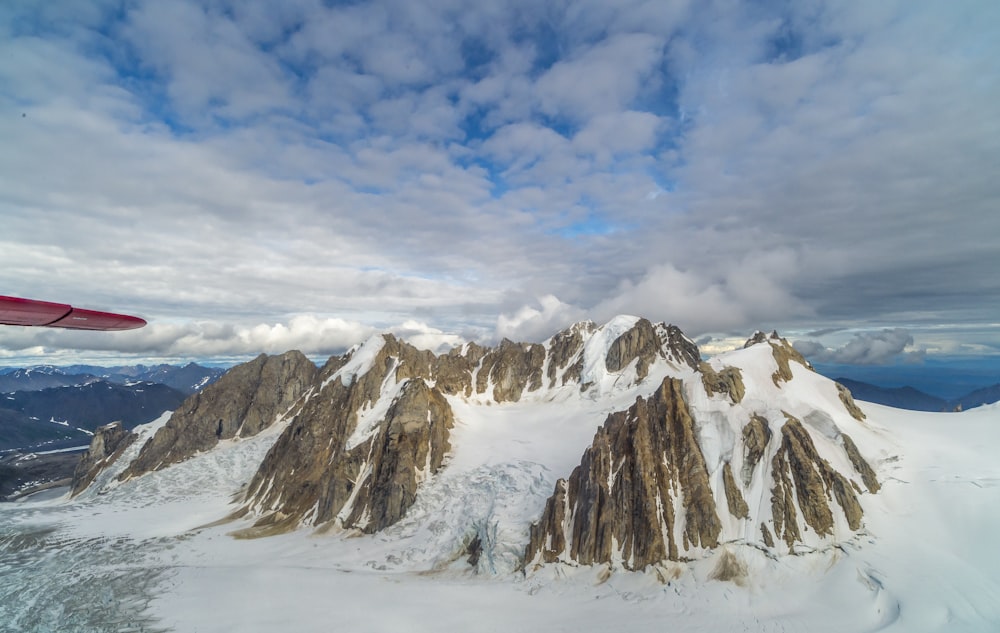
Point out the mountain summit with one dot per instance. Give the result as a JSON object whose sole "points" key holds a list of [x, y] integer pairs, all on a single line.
{"points": [[604, 444]]}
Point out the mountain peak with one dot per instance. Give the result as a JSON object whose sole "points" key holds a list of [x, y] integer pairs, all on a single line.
{"points": [[749, 446]]}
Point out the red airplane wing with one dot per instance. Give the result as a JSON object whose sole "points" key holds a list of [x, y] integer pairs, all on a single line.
{"points": [[17, 311]]}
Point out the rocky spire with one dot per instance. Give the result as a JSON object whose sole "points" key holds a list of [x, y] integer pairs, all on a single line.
{"points": [[801, 475], [107, 445], [357, 450], [640, 495]]}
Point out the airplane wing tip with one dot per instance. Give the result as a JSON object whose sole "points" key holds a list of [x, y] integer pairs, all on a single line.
{"points": [[30, 312]]}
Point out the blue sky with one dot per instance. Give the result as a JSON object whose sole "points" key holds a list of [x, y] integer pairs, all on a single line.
{"points": [[258, 176]]}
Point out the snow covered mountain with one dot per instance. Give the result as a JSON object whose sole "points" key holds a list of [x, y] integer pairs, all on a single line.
{"points": [[605, 476], [648, 454]]}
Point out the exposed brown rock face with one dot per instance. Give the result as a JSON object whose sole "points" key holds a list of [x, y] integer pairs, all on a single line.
{"points": [[298, 470], [765, 534], [728, 381], [756, 436], [678, 347], [760, 337], [640, 342], [784, 353], [512, 368], [815, 481], [734, 498], [108, 443], [848, 399], [243, 402], [622, 494], [567, 348], [313, 474], [863, 467], [645, 467], [409, 446], [453, 371]]}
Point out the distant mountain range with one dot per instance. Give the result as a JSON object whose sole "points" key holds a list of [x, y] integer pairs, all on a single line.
{"points": [[185, 378], [916, 400], [46, 411], [54, 414], [61, 406]]}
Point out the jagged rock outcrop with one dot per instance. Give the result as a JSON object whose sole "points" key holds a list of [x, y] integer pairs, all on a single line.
{"points": [[566, 354], [244, 401], [801, 474], [511, 369], [107, 445], [734, 497], [760, 337], [756, 437], [453, 371], [621, 502], [784, 354], [408, 447], [849, 404], [352, 456], [860, 464], [639, 343], [678, 348], [728, 381], [312, 472]]}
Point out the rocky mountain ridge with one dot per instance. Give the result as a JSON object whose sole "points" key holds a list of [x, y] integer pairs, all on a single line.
{"points": [[747, 447]]}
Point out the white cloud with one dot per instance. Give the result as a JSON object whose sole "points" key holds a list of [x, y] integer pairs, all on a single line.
{"points": [[530, 323], [209, 63], [625, 132], [423, 336], [602, 79], [866, 348], [721, 165], [754, 290], [309, 334]]}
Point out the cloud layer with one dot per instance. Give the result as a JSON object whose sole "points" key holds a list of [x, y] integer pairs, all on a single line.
{"points": [[865, 348], [251, 175]]}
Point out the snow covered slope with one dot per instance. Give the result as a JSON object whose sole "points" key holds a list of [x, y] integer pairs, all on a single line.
{"points": [[920, 560]]}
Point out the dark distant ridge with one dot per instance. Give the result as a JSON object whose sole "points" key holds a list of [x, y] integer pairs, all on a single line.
{"points": [[898, 397], [44, 377], [56, 413], [187, 378], [45, 407], [979, 397], [916, 400]]}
